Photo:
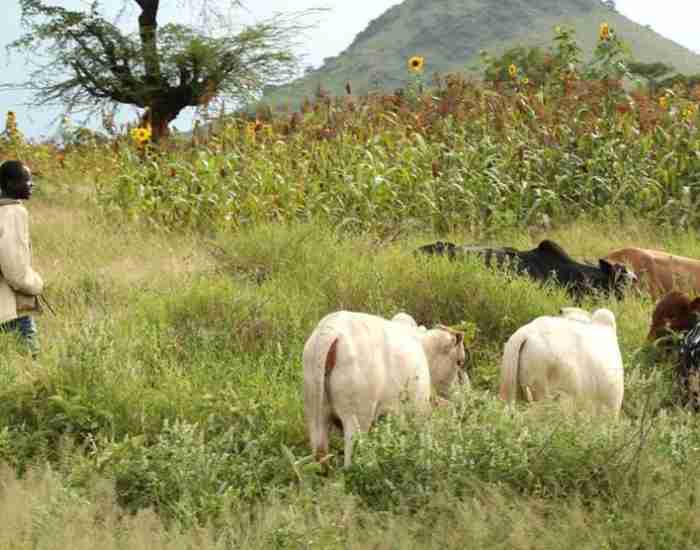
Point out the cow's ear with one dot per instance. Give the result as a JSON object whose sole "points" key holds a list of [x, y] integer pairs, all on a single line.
{"points": [[605, 266]]}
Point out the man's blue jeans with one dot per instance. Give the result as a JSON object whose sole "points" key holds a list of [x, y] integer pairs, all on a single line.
{"points": [[25, 327]]}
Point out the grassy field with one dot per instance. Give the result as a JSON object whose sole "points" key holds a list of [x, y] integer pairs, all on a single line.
{"points": [[166, 408], [171, 382]]}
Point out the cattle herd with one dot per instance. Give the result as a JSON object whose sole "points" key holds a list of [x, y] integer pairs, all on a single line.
{"points": [[358, 367]]}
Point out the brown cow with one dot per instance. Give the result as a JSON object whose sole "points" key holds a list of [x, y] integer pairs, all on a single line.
{"points": [[660, 271], [676, 312]]}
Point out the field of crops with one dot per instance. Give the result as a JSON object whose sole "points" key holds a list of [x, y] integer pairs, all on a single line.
{"points": [[165, 410]]}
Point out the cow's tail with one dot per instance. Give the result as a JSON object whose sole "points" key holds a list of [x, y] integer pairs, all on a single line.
{"points": [[511, 365], [323, 361]]}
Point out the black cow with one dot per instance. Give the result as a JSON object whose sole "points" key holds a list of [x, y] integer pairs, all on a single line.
{"points": [[548, 261]]}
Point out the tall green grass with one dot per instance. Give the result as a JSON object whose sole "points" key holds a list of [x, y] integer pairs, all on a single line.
{"points": [[181, 393], [462, 157]]}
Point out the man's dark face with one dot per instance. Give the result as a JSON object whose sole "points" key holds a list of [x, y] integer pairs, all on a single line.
{"points": [[21, 188]]}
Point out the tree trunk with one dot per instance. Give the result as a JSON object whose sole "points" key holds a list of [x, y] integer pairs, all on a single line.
{"points": [[160, 121], [148, 31], [160, 115]]}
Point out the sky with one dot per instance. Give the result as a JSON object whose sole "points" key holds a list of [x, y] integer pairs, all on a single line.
{"points": [[336, 28]]}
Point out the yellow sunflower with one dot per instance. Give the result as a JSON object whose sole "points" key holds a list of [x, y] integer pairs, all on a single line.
{"points": [[141, 135], [663, 102], [416, 63], [512, 70], [604, 32]]}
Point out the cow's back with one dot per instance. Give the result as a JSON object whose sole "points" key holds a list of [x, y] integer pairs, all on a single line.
{"points": [[542, 265], [549, 357], [377, 361], [581, 360], [495, 257], [681, 271], [661, 270]]}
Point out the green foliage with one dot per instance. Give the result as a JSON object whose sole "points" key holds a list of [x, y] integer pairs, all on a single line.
{"points": [[539, 453], [464, 155], [566, 51], [538, 67], [687, 81], [610, 57], [652, 72], [533, 63]]}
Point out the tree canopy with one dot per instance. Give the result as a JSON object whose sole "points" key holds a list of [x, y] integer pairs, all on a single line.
{"points": [[86, 62]]}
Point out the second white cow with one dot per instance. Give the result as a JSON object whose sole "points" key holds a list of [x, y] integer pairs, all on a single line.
{"points": [[573, 356], [358, 367]]}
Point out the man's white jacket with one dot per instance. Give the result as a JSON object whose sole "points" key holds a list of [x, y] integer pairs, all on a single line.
{"points": [[19, 283]]}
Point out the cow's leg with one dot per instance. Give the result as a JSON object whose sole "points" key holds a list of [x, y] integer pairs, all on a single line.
{"points": [[350, 426], [659, 277], [537, 390], [319, 438]]}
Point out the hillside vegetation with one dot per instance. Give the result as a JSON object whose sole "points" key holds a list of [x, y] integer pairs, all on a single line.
{"points": [[165, 410], [449, 34]]}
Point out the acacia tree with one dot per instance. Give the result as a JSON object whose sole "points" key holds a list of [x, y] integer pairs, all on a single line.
{"points": [[89, 63]]}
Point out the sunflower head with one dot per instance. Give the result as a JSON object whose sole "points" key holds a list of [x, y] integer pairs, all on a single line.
{"points": [[416, 63], [663, 102], [604, 31], [141, 135], [512, 70]]}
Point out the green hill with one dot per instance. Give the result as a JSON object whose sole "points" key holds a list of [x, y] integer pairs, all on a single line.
{"points": [[450, 34]]}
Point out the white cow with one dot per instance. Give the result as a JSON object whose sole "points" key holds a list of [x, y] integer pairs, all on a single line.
{"points": [[359, 366], [577, 356]]}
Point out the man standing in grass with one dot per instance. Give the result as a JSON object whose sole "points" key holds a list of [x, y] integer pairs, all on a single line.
{"points": [[20, 285]]}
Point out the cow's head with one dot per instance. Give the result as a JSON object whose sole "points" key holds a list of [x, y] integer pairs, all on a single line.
{"points": [[439, 248], [675, 312], [619, 276], [444, 349]]}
